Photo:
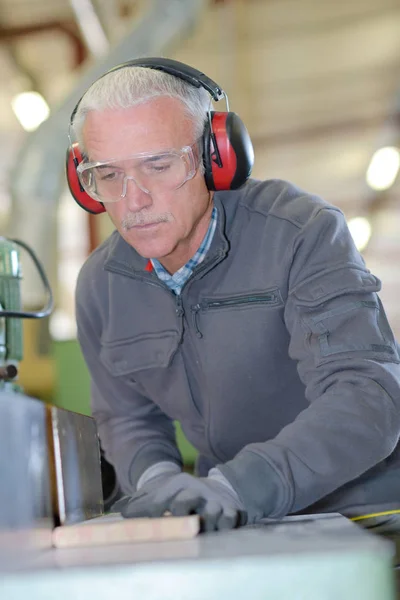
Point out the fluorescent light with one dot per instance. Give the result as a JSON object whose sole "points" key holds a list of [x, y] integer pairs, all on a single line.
{"points": [[31, 109], [360, 229], [383, 168]]}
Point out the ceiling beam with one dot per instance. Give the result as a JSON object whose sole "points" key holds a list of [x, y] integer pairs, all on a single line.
{"points": [[9, 34]]}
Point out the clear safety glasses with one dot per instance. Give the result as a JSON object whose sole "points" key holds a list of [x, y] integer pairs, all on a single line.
{"points": [[107, 181]]}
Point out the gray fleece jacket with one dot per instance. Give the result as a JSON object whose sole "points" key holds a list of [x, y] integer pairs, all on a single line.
{"points": [[277, 358]]}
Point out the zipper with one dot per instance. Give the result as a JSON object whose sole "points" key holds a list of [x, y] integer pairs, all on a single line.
{"points": [[270, 298], [179, 308], [195, 312]]}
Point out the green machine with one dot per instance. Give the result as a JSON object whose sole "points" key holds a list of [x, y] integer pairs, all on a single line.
{"points": [[11, 313]]}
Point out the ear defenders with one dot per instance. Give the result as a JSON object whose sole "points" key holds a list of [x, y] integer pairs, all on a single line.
{"points": [[228, 155]]}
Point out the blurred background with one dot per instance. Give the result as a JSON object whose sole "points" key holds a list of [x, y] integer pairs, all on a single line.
{"points": [[316, 82]]}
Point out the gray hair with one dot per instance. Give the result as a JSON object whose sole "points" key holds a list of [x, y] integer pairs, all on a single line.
{"points": [[130, 86]]}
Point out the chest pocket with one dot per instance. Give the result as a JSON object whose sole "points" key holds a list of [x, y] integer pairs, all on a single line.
{"points": [[270, 298], [146, 351]]}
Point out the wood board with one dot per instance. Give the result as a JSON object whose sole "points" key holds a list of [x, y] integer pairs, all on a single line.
{"points": [[114, 529]]}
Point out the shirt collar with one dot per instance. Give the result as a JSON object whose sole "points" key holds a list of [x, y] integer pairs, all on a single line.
{"points": [[178, 279]]}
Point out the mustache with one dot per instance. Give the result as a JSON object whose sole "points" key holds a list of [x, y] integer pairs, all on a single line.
{"points": [[133, 219]]}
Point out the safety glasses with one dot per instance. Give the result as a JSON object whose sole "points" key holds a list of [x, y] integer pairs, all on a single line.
{"points": [[107, 181]]}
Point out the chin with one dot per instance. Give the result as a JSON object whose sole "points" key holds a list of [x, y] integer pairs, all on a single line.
{"points": [[150, 249]]}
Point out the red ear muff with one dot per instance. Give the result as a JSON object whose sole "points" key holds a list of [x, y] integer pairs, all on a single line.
{"points": [[228, 153], [74, 157]]}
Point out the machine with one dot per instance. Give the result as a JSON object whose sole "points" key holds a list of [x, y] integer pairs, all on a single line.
{"points": [[49, 457], [11, 313]]}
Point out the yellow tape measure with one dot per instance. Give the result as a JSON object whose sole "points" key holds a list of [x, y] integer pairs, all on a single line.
{"points": [[378, 514]]}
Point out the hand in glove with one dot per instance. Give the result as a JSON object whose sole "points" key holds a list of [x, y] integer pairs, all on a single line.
{"points": [[212, 498], [151, 479]]}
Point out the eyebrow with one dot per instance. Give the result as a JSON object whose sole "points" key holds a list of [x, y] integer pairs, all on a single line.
{"points": [[155, 158], [108, 167]]}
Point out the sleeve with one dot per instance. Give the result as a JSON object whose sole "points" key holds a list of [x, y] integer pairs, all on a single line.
{"points": [[348, 361], [134, 432]]}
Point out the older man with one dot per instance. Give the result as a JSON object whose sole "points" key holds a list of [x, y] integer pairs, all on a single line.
{"points": [[246, 314]]}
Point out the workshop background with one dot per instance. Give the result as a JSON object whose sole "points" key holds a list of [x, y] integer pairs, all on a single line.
{"points": [[316, 82]]}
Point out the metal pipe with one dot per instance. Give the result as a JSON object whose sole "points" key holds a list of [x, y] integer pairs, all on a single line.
{"points": [[90, 27]]}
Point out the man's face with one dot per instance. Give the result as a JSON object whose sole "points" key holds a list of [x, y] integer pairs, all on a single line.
{"points": [[162, 224]]}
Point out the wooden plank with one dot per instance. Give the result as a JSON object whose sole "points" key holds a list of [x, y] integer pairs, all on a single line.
{"points": [[114, 529]]}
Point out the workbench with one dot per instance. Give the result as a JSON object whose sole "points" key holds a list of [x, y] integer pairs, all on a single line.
{"points": [[299, 558]]}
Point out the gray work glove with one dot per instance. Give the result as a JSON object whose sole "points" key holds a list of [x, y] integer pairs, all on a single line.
{"points": [[217, 504], [152, 482]]}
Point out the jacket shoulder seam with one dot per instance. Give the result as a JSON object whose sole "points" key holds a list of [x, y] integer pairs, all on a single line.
{"points": [[292, 221]]}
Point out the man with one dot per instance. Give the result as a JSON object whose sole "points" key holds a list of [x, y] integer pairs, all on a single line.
{"points": [[248, 315]]}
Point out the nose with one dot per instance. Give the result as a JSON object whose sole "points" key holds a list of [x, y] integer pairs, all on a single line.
{"points": [[136, 197]]}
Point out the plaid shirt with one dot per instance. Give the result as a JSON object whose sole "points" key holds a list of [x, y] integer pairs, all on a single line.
{"points": [[176, 281]]}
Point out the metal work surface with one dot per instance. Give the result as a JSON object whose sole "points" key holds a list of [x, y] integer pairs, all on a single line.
{"points": [[309, 558]]}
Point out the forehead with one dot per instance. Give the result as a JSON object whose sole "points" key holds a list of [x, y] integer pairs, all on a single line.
{"points": [[155, 125]]}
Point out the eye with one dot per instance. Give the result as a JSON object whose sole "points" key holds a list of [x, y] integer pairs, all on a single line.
{"points": [[158, 167], [109, 176], [103, 175]]}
